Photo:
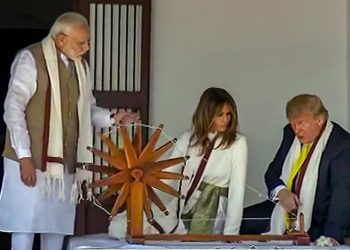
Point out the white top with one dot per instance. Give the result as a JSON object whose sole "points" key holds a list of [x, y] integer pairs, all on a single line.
{"points": [[22, 87], [225, 168]]}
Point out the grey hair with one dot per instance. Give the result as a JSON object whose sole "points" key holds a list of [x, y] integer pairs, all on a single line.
{"points": [[65, 22]]}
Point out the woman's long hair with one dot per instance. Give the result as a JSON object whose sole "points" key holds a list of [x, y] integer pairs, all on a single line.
{"points": [[210, 105]]}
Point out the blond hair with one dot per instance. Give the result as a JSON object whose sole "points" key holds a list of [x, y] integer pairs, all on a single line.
{"points": [[65, 22], [306, 103]]}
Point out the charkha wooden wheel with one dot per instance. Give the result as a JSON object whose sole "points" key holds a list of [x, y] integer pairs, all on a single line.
{"points": [[133, 173]]}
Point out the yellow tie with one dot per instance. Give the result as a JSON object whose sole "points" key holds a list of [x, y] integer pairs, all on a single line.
{"points": [[295, 170], [297, 165]]}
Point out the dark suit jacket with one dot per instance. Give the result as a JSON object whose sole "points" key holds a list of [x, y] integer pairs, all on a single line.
{"points": [[331, 212]]}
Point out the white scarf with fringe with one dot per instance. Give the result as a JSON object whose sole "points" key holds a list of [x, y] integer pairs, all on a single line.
{"points": [[54, 174], [309, 184]]}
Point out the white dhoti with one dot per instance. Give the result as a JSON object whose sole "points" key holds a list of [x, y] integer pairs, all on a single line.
{"points": [[28, 210]]}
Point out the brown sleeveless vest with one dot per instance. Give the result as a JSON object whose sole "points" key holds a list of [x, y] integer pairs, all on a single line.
{"points": [[35, 110]]}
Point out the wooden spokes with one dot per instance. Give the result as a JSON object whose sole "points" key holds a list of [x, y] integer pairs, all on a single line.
{"points": [[151, 143], [137, 141], [115, 151], [153, 167], [101, 169], [147, 204], [121, 177], [135, 171], [111, 190], [123, 195], [169, 176], [114, 161], [161, 150], [154, 182], [155, 199], [130, 152]]}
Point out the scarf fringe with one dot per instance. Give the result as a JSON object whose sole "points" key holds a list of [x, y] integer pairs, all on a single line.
{"points": [[77, 192], [52, 185], [55, 186]]}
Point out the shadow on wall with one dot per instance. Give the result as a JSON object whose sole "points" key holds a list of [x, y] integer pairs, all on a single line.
{"points": [[17, 32], [13, 20]]}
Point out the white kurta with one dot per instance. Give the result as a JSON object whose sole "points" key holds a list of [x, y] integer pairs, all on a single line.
{"points": [[26, 209], [225, 168], [23, 208]]}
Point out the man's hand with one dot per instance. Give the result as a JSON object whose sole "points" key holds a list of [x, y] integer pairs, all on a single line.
{"points": [[324, 241], [334, 242], [27, 171], [288, 200], [125, 117]]}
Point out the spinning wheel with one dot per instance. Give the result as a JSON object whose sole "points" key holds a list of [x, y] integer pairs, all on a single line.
{"points": [[134, 172]]}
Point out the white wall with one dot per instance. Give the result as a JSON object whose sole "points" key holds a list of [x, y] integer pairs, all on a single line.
{"points": [[262, 51]]}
